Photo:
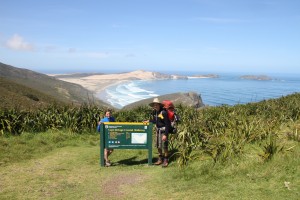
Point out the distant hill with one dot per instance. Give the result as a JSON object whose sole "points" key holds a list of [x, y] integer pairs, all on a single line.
{"points": [[189, 99], [43, 85]]}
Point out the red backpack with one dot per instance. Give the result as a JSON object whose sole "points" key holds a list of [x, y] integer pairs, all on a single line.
{"points": [[174, 118]]}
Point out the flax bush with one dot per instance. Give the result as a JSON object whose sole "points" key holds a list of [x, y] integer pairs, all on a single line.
{"points": [[218, 132]]}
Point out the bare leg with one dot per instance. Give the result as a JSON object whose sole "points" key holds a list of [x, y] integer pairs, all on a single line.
{"points": [[107, 152]]}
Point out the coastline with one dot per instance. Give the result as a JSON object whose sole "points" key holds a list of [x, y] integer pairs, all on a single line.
{"points": [[98, 83], [230, 89], [101, 92], [92, 85], [127, 92]]}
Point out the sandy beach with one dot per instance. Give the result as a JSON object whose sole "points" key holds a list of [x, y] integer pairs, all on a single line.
{"points": [[98, 83]]}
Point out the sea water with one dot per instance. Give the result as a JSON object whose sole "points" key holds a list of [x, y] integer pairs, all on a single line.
{"points": [[227, 89]]}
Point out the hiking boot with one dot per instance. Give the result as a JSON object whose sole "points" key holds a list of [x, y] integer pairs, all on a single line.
{"points": [[166, 162], [159, 161], [107, 164]]}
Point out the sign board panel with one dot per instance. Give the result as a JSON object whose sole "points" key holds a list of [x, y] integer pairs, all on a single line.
{"points": [[125, 135]]}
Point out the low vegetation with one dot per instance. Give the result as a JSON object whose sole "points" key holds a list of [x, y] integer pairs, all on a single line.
{"points": [[247, 151]]}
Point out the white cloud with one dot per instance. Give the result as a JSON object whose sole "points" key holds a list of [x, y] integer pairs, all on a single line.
{"points": [[17, 43]]}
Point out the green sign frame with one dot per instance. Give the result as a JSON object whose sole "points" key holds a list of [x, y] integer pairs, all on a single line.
{"points": [[126, 135]]}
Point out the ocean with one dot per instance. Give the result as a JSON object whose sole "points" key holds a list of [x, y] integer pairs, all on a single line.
{"points": [[228, 88]]}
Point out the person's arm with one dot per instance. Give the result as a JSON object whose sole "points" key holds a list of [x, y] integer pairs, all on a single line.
{"points": [[99, 126], [152, 117]]}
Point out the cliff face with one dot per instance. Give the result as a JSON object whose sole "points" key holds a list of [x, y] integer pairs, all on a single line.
{"points": [[189, 99]]}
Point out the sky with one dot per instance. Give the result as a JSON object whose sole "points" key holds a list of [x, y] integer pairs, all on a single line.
{"points": [[157, 35]]}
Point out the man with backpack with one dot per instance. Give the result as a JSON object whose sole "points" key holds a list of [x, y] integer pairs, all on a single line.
{"points": [[160, 118]]}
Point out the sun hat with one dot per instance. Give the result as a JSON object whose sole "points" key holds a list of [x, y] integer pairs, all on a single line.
{"points": [[155, 100]]}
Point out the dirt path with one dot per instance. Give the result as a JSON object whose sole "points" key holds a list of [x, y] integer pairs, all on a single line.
{"points": [[113, 186]]}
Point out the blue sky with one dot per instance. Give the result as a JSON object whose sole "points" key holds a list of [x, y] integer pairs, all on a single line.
{"points": [[187, 35]]}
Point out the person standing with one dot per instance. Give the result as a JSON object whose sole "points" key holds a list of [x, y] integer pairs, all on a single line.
{"points": [[160, 118], [107, 152]]}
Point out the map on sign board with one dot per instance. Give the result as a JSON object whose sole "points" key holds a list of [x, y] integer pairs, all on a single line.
{"points": [[138, 138]]}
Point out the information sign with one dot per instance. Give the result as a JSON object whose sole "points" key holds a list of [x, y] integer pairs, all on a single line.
{"points": [[125, 135]]}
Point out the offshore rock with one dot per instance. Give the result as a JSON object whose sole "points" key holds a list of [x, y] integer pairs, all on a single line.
{"points": [[254, 77]]}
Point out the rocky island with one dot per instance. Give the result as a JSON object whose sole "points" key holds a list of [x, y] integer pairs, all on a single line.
{"points": [[256, 77]]}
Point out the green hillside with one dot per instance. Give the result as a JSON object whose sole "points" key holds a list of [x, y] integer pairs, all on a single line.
{"points": [[43, 85], [16, 95]]}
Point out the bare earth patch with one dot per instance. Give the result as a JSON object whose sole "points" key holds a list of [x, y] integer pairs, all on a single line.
{"points": [[114, 186]]}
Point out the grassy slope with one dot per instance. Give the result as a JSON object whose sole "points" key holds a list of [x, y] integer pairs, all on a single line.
{"points": [[14, 94], [61, 165], [60, 90]]}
